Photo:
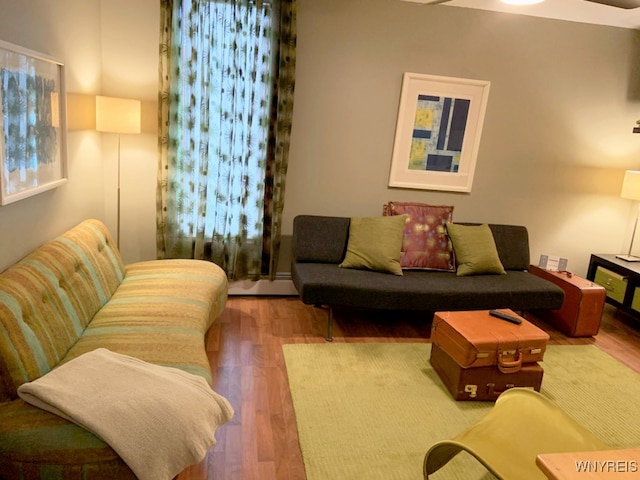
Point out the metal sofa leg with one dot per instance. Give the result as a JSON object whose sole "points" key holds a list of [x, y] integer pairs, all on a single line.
{"points": [[329, 337]]}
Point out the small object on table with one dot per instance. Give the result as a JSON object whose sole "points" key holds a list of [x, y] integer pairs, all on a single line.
{"points": [[505, 316]]}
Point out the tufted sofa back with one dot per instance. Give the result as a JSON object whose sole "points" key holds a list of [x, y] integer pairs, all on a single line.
{"points": [[48, 298]]}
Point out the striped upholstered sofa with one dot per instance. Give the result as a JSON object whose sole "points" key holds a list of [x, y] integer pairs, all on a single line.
{"points": [[73, 295]]}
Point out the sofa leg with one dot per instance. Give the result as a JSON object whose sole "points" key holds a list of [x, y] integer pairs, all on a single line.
{"points": [[329, 337]]}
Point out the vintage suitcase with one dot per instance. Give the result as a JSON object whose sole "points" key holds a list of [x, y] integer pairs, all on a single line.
{"points": [[583, 305], [481, 383], [476, 339]]}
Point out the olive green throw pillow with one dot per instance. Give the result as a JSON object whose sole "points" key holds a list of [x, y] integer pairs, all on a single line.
{"points": [[475, 250], [375, 243]]}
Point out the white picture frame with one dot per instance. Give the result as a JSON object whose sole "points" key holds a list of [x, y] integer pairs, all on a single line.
{"points": [[33, 146], [438, 132]]}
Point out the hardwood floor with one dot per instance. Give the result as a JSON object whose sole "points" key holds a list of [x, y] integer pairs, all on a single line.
{"points": [[244, 348]]}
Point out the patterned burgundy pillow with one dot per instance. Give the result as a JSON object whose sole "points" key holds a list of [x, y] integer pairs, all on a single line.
{"points": [[425, 245]]}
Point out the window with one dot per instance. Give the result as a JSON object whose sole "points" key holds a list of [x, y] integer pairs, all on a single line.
{"points": [[225, 65], [227, 100]]}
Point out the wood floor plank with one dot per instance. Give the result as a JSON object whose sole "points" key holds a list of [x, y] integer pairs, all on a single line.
{"points": [[244, 347]]}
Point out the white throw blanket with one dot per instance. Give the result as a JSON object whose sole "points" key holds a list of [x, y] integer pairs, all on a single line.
{"points": [[158, 419]]}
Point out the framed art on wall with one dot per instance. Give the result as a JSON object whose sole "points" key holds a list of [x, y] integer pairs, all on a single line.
{"points": [[438, 132], [32, 123]]}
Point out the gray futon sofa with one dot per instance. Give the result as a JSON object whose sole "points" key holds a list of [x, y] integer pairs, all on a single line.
{"points": [[320, 243]]}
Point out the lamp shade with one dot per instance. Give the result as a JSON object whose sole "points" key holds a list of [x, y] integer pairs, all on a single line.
{"points": [[117, 115], [631, 185]]}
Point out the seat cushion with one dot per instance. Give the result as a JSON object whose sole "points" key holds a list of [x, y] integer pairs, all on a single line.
{"points": [[326, 284], [160, 314]]}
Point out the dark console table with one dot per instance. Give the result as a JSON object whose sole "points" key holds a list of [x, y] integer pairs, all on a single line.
{"points": [[620, 278]]}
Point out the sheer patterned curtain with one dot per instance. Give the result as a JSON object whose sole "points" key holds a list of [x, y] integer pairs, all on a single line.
{"points": [[226, 100]]}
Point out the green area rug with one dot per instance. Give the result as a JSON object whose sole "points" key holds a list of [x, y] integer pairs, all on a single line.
{"points": [[372, 410]]}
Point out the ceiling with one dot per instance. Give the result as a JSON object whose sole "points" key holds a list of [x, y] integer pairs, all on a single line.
{"points": [[572, 10]]}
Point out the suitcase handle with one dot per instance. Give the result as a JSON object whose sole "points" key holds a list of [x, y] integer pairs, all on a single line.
{"points": [[491, 389], [510, 367]]}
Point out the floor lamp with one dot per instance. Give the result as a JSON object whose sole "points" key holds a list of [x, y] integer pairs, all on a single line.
{"points": [[631, 190], [121, 116]]}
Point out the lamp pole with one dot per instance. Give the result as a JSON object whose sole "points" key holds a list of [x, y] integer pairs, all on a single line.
{"points": [[118, 214]]}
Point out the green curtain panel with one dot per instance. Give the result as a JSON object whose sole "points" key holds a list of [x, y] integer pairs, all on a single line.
{"points": [[227, 76]]}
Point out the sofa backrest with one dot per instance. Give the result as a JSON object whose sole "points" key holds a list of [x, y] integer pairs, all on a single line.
{"points": [[319, 239], [48, 298], [323, 239], [512, 242]]}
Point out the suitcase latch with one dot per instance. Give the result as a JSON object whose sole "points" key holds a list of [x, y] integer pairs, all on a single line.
{"points": [[536, 351], [472, 390]]}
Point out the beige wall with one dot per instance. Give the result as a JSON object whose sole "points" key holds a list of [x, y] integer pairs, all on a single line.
{"points": [[556, 140], [70, 31], [109, 48], [130, 70]]}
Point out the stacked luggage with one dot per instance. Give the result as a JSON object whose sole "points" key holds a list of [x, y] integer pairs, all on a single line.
{"points": [[478, 355]]}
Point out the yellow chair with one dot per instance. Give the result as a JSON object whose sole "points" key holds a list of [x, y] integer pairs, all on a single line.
{"points": [[521, 425]]}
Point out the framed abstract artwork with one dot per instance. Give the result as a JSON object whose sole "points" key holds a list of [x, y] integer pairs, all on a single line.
{"points": [[32, 123], [438, 132]]}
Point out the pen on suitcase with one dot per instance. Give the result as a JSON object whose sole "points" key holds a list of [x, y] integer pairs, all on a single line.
{"points": [[505, 316]]}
